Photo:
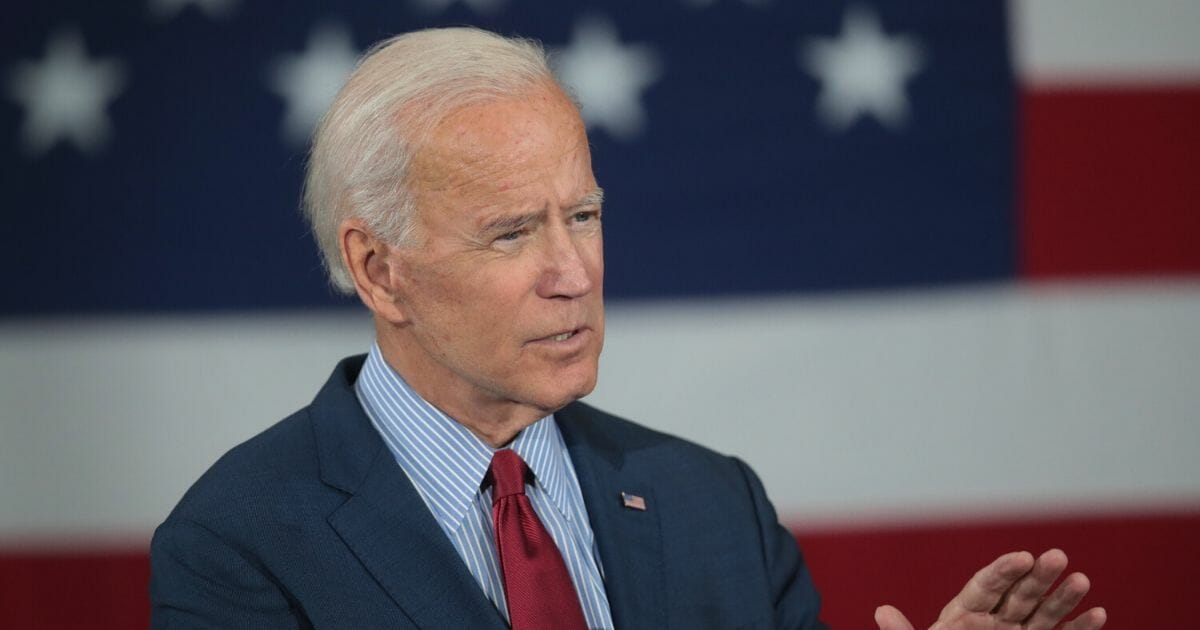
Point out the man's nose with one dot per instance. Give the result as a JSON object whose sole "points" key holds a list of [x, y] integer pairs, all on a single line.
{"points": [[565, 271]]}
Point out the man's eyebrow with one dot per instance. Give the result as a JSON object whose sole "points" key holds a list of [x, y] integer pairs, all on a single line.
{"points": [[594, 198], [509, 222]]}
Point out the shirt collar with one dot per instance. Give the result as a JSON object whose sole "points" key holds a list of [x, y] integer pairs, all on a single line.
{"points": [[444, 460]]}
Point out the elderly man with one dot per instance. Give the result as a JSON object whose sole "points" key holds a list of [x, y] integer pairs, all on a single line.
{"points": [[449, 478]]}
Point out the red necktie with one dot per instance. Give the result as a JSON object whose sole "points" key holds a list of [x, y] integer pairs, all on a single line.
{"points": [[536, 583]]}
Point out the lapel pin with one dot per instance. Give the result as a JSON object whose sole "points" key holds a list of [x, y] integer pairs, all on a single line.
{"points": [[633, 501]]}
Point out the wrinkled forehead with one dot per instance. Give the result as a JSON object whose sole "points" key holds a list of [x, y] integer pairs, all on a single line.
{"points": [[503, 138]]}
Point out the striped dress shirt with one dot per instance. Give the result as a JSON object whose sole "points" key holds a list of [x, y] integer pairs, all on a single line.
{"points": [[447, 463]]}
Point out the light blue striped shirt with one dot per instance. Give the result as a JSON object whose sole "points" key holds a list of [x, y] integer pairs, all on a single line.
{"points": [[447, 463]]}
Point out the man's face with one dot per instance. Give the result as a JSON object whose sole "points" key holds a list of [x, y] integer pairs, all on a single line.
{"points": [[503, 290]]}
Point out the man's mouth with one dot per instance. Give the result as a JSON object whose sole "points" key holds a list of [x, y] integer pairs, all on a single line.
{"points": [[561, 337]]}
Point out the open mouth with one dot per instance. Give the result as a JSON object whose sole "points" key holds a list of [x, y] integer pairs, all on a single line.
{"points": [[561, 337], [564, 344]]}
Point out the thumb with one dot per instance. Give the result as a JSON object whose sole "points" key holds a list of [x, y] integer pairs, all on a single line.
{"points": [[889, 618]]}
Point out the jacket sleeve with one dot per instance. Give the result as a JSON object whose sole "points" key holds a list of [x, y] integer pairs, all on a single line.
{"points": [[200, 581], [797, 603]]}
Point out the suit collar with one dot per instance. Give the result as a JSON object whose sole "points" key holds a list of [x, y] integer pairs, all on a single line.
{"points": [[442, 458], [630, 541], [389, 538], [379, 524], [347, 444]]}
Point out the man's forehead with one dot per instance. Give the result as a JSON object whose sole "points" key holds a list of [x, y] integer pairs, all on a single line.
{"points": [[501, 143]]}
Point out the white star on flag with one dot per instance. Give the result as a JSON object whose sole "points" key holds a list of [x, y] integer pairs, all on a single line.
{"points": [[862, 72], [607, 77], [309, 81], [166, 9], [65, 95], [479, 6]]}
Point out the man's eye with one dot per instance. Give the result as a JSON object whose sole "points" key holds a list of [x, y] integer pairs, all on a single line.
{"points": [[510, 236], [585, 216]]}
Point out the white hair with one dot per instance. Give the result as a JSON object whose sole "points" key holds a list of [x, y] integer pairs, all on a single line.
{"points": [[399, 91]]}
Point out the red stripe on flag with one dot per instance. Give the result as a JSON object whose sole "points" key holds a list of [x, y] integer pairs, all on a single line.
{"points": [[1143, 568], [1110, 181], [50, 590]]}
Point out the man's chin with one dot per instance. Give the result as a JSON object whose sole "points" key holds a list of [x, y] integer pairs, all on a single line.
{"points": [[562, 393]]}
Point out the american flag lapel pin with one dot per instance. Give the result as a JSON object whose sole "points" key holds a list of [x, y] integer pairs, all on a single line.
{"points": [[633, 502]]}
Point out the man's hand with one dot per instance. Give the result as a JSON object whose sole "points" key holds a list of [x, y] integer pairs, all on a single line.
{"points": [[1011, 594]]}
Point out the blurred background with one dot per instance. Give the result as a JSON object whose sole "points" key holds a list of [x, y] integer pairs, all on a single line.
{"points": [[932, 269]]}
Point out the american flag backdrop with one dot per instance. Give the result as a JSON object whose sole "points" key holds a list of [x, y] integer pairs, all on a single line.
{"points": [[931, 268]]}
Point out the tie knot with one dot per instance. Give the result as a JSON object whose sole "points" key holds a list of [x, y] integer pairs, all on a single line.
{"points": [[508, 474]]}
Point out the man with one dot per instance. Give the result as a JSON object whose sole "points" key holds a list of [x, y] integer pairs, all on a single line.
{"points": [[450, 479]]}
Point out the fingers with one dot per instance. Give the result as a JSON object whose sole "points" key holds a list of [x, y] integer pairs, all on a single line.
{"points": [[1060, 603], [1009, 592], [889, 618], [986, 589], [1091, 620], [1027, 593]]}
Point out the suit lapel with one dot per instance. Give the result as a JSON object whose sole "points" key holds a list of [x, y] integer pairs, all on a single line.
{"points": [[395, 537], [385, 523], [630, 540]]}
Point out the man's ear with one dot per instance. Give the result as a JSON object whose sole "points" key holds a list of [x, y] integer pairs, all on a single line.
{"points": [[375, 269]]}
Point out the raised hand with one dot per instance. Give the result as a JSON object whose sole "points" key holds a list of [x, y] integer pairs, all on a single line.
{"points": [[1011, 594]]}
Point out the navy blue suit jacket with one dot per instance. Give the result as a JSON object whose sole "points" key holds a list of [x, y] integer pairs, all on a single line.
{"points": [[313, 524]]}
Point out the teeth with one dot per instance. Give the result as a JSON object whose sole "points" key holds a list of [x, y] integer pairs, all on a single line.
{"points": [[563, 337]]}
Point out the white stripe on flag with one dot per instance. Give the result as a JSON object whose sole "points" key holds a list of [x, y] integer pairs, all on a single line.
{"points": [[1107, 42], [895, 404]]}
